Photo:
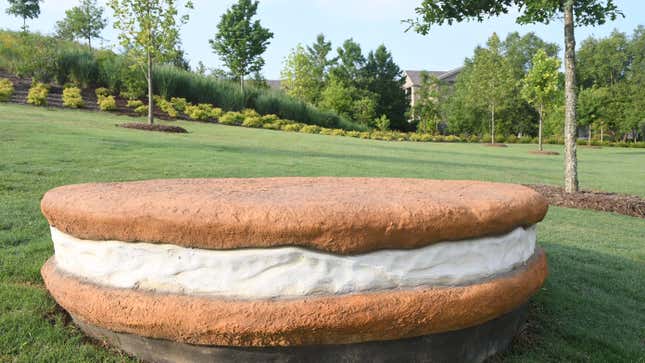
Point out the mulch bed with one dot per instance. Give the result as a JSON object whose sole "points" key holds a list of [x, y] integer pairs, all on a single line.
{"points": [[153, 127], [543, 152], [629, 205], [495, 145]]}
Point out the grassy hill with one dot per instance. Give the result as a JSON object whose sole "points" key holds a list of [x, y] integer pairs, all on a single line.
{"points": [[590, 309]]}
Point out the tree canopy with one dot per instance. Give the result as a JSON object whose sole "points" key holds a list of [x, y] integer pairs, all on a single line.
{"points": [[240, 40], [85, 22], [25, 9]]}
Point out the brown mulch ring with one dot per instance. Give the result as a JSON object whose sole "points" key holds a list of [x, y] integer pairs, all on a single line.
{"points": [[153, 127], [629, 205], [495, 145], [543, 152]]}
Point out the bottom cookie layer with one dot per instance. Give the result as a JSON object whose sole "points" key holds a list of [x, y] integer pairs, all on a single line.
{"points": [[345, 319], [473, 344]]}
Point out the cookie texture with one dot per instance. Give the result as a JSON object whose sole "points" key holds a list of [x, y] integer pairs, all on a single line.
{"points": [[343, 319], [336, 215]]}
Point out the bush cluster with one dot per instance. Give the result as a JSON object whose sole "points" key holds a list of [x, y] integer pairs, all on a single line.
{"points": [[72, 97], [37, 95], [6, 89], [138, 106]]}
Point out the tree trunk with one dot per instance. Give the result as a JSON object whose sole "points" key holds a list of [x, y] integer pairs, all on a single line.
{"points": [[589, 136], [602, 130], [540, 130], [150, 98], [89, 43], [492, 124], [242, 84], [570, 126]]}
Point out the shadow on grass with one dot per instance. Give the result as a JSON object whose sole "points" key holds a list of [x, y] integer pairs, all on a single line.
{"points": [[590, 309]]}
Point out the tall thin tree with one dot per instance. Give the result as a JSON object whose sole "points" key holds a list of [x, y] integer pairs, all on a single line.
{"points": [[240, 41], [84, 21], [25, 9], [149, 31], [540, 86]]}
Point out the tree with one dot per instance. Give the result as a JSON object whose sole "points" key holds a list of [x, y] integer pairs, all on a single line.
{"points": [[493, 80], [592, 107], [350, 63], [338, 96], [300, 78], [25, 9], [383, 77], [318, 53], [520, 50], [588, 12], [426, 110], [240, 41], [149, 31], [603, 62], [540, 86], [82, 22]]}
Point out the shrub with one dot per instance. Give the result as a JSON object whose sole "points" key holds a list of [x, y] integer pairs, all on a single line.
{"points": [[141, 110], [554, 140], [364, 135], [524, 140], [338, 132], [232, 118], [382, 123], [37, 95], [138, 106], [170, 81], [166, 106], [72, 97], [216, 113], [500, 139], [200, 112], [255, 122], [473, 138], [399, 136], [291, 127], [102, 92], [269, 118], [511, 139], [134, 103], [452, 138], [6, 89], [248, 112], [277, 125], [381, 135], [486, 139], [438, 138], [310, 129], [179, 103], [353, 133], [107, 103], [325, 131], [129, 95]]}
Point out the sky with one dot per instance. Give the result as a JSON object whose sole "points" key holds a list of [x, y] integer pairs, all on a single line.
{"points": [[369, 22]]}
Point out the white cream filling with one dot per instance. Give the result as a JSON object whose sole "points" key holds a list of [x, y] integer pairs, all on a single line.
{"points": [[261, 273]]}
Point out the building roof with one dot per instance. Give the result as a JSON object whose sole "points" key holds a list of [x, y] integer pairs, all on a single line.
{"points": [[449, 76]]}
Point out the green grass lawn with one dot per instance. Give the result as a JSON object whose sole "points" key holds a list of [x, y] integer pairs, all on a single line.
{"points": [[592, 307]]}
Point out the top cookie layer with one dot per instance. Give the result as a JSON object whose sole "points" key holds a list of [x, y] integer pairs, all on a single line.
{"points": [[337, 215]]}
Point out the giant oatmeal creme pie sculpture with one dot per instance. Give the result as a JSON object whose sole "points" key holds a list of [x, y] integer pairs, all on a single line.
{"points": [[295, 269]]}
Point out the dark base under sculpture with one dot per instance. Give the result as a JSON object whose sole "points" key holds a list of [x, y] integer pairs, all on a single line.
{"points": [[473, 344]]}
